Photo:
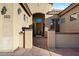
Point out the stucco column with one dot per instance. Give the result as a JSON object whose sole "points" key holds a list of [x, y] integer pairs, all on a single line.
{"points": [[51, 39], [28, 38]]}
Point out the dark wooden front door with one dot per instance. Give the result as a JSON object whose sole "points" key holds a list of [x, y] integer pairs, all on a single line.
{"points": [[38, 24], [39, 28]]}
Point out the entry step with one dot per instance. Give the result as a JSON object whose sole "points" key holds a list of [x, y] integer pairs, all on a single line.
{"points": [[38, 36]]}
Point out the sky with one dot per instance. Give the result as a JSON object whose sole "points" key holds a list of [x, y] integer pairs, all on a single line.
{"points": [[60, 5]]}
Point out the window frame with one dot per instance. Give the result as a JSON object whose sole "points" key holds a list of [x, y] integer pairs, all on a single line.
{"points": [[74, 18]]}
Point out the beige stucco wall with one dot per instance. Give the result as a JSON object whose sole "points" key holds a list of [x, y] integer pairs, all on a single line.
{"points": [[10, 39], [59, 40], [28, 38], [70, 26], [6, 29], [10, 28], [18, 24], [51, 39], [67, 41], [39, 7]]}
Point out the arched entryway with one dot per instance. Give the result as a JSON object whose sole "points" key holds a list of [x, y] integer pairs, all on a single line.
{"points": [[38, 30], [38, 24]]}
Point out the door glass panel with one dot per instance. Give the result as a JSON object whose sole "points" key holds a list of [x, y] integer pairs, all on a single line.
{"points": [[38, 20]]}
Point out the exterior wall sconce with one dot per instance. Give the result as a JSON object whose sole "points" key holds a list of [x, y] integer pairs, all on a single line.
{"points": [[19, 11], [3, 10]]}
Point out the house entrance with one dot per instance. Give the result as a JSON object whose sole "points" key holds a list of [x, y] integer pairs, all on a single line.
{"points": [[38, 30], [38, 24]]}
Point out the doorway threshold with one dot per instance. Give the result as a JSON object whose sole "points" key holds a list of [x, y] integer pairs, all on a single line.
{"points": [[38, 36]]}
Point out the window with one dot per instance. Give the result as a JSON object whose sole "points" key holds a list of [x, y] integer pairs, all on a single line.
{"points": [[24, 17], [73, 17], [38, 20], [19, 11]]}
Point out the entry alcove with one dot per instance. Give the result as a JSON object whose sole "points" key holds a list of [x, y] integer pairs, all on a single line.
{"points": [[38, 24]]}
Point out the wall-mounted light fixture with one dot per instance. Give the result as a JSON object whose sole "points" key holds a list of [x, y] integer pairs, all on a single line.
{"points": [[19, 10], [3, 11]]}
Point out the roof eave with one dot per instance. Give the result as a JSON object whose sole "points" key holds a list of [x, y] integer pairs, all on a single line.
{"points": [[66, 9], [26, 8]]}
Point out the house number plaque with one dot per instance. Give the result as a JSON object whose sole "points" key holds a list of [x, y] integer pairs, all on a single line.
{"points": [[6, 16]]}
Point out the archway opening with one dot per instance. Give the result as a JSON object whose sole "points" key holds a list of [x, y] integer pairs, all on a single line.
{"points": [[38, 24]]}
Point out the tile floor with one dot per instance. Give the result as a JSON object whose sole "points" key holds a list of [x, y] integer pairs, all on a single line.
{"points": [[35, 51], [40, 49], [40, 42]]}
